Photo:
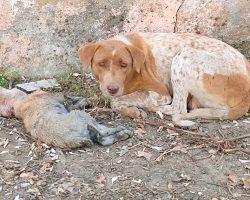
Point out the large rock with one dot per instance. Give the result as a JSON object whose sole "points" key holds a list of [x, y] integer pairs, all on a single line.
{"points": [[40, 38], [228, 20]]}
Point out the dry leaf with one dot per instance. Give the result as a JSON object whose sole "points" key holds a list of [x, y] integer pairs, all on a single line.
{"points": [[170, 186], [34, 191], [186, 177], [160, 114], [60, 190], [160, 129], [212, 151], [137, 181], [26, 175], [246, 183], [244, 161], [158, 149], [172, 133], [46, 167], [233, 178], [100, 182], [4, 152], [182, 177], [144, 154], [114, 179], [17, 197], [140, 132], [247, 167]]}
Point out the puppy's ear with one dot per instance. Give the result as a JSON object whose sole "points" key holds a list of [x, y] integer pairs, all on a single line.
{"points": [[86, 54], [138, 57]]}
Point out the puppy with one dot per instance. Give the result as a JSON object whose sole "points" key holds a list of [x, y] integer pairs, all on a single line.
{"points": [[47, 120], [187, 76]]}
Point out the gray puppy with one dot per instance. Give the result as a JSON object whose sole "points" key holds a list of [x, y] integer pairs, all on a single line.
{"points": [[47, 120]]}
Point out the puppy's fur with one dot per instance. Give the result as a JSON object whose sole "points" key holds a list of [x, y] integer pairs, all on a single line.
{"points": [[190, 72], [47, 120]]}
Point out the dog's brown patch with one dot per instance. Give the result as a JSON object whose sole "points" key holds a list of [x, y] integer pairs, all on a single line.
{"points": [[233, 91]]}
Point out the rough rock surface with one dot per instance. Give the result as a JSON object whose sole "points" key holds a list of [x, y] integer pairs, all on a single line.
{"points": [[40, 38]]}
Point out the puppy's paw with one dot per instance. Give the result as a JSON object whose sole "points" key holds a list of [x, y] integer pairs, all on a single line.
{"points": [[120, 135], [123, 134], [77, 103]]}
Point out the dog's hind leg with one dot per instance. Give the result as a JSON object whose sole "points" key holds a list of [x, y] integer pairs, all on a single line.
{"points": [[205, 113]]}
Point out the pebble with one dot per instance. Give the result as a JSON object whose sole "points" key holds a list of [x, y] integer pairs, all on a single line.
{"points": [[53, 151], [23, 185], [130, 144]]}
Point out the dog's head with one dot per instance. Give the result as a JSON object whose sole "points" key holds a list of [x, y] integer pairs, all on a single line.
{"points": [[113, 63]]}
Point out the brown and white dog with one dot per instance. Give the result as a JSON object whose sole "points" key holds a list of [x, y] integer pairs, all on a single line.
{"points": [[172, 73]]}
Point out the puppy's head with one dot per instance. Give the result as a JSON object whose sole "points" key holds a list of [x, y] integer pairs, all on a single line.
{"points": [[8, 98], [113, 63]]}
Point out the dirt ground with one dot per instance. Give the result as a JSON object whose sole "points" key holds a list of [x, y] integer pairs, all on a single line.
{"points": [[159, 162]]}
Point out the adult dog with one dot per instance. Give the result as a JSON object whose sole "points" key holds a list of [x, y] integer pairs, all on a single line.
{"points": [[185, 75]]}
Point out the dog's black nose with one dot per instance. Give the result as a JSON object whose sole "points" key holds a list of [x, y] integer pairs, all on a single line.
{"points": [[113, 89]]}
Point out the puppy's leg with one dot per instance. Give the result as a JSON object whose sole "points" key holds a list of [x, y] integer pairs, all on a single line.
{"points": [[75, 103], [107, 136]]}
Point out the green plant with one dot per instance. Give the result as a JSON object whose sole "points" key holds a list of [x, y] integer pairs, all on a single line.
{"points": [[8, 78], [3, 81], [105, 101], [13, 75]]}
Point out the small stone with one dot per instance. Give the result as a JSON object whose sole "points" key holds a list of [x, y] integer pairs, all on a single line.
{"points": [[225, 127], [53, 151], [23, 185], [144, 115], [42, 84], [130, 144], [119, 161]]}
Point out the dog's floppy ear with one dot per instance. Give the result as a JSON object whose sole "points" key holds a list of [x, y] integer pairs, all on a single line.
{"points": [[138, 57], [86, 54]]}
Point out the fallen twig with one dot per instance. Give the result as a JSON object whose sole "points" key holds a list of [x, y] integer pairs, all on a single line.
{"points": [[223, 144], [236, 138], [178, 148]]}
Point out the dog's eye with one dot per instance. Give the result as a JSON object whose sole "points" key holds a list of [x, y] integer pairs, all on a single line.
{"points": [[101, 64], [124, 64]]}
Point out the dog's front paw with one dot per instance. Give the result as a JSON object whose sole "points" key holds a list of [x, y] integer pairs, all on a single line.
{"points": [[168, 110], [133, 112], [179, 121]]}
